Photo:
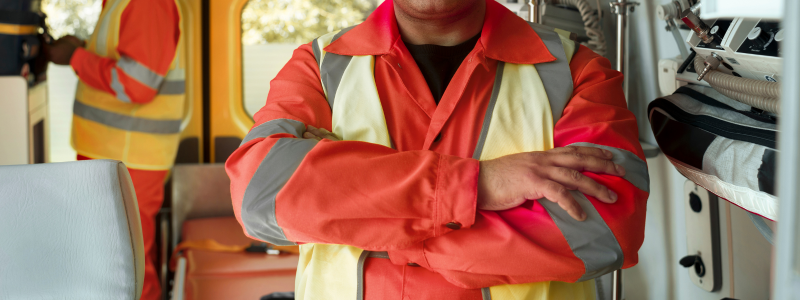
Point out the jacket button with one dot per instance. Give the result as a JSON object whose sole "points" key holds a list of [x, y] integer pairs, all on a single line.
{"points": [[411, 264], [438, 138], [453, 225]]}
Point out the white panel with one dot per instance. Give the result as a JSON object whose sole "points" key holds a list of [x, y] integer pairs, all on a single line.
{"points": [[685, 288], [751, 257], [702, 235], [652, 278], [37, 98], [786, 272], [13, 120], [667, 71], [61, 85], [658, 276], [772, 9]]}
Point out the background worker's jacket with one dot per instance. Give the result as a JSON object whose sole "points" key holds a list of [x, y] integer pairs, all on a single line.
{"points": [[401, 199], [130, 97]]}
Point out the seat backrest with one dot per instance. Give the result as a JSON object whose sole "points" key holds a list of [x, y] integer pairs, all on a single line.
{"points": [[69, 231], [199, 191]]}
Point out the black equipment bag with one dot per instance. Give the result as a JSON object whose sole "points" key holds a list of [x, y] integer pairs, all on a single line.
{"points": [[723, 145]]}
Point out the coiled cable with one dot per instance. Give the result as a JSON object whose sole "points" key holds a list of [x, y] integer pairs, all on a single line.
{"points": [[591, 22]]}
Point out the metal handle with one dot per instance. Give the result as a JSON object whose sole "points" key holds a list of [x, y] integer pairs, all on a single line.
{"points": [[616, 285], [622, 9], [533, 11]]}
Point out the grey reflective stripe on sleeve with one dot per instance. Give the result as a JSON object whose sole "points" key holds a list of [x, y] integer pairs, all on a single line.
{"points": [[556, 75], [276, 126], [486, 293], [591, 240], [635, 168], [332, 68], [487, 118], [360, 274], [126, 122], [118, 88], [170, 87], [258, 204], [139, 72]]}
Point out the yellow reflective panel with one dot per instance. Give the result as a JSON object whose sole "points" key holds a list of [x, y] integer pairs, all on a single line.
{"points": [[327, 272], [357, 112], [516, 125]]}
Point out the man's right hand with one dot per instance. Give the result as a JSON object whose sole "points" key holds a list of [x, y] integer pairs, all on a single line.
{"points": [[60, 52], [509, 181]]}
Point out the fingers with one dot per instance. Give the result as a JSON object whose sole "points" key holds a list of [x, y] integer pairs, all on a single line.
{"points": [[559, 194], [309, 135], [579, 161], [319, 134], [572, 179], [592, 151], [312, 133]]}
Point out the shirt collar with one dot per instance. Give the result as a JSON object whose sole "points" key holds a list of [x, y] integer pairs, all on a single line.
{"points": [[503, 33]]}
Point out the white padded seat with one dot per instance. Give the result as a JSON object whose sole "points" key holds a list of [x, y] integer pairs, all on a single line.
{"points": [[69, 231]]}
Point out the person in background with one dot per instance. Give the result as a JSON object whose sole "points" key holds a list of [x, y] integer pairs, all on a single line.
{"points": [[445, 149], [129, 101]]}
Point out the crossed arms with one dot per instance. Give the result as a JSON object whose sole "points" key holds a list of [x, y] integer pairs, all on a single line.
{"points": [[290, 184]]}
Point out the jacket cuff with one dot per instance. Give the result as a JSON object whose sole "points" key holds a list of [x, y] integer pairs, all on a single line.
{"points": [[79, 59], [456, 194], [412, 256]]}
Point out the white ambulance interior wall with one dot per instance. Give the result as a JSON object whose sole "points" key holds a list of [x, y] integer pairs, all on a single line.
{"points": [[745, 254], [658, 274]]}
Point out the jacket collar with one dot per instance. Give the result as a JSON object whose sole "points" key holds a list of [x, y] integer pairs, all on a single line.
{"points": [[503, 33]]}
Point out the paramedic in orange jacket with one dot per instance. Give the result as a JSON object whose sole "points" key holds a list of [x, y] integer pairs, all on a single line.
{"points": [[115, 82], [450, 224]]}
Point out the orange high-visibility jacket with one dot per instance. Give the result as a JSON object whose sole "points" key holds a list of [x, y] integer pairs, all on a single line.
{"points": [[130, 97], [417, 199]]}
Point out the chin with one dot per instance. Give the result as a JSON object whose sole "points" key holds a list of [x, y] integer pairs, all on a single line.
{"points": [[435, 9]]}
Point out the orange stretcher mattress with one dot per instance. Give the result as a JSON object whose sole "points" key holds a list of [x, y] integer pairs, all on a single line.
{"points": [[226, 275]]}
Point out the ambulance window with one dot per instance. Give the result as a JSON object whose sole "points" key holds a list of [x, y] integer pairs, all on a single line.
{"points": [[78, 18], [273, 29]]}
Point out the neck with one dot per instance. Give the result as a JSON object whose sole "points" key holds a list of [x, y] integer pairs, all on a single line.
{"points": [[443, 29]]}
